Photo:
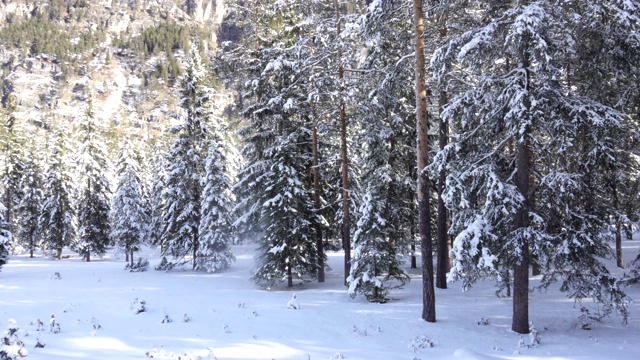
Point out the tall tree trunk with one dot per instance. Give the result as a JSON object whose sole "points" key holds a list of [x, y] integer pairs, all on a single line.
{"points": [[346, 223], [31, 245], [422, 126], [619, 260], [520, 321], [316, 167], [195, 248], [88, 257], [443, 237]]}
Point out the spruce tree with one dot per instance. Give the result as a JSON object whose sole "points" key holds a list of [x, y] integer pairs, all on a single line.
{"points": [[184, 167], [287, 247], [12, 161], [58, 218], [156, 201], [216, 233], [385, 218], [128, 207], [94, 202], [30, 208]]}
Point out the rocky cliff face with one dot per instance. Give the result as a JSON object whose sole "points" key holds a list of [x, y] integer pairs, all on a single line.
{"points": [[124, 54]]}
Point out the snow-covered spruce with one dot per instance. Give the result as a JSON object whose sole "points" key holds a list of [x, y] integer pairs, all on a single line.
{"points": [[375, 265], [58, 219], [94, 205], [11, 347], [216, 232], [30, 206], [129, 213]]}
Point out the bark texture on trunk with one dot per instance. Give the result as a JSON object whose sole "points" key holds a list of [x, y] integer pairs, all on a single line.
{"points": [[428, 292], [523, 178], [520, 322]]}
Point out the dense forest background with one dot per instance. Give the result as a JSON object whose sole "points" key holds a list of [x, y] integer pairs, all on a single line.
{"points": [[499, 138]]}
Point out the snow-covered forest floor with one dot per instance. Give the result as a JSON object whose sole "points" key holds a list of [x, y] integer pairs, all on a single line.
{"points": [[231, 318]]}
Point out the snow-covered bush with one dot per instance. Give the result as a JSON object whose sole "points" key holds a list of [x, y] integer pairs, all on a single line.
{"points": [[164, 265], [54, 326], [420, 342], [138, 305], [166, 319], [293, 303], [139, 266]]}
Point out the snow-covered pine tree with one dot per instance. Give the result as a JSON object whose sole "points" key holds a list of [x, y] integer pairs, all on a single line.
{"points": [[287, 246], [526, 156], [156, 200], [128, 207], [5, 238], [94, 202], [612, 27], [216, 232], [386, 214], [184, 166], [58, 219], [275, 191], [30, 208], [12, 162]]}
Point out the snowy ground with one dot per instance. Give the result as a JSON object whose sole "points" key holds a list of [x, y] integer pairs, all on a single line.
{"points": [[237, 320]]}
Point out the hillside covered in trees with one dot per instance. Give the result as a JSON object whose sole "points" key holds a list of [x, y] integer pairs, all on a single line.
{"points": [[497, 139]]}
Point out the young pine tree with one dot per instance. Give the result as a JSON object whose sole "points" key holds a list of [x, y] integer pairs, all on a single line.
{"points": [[128, 206], [94, 203]]}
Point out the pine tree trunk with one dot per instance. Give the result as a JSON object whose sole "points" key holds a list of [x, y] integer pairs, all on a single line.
{"points": [[619, 260], [316, 168], [428, 291], [131, 257], [346, 225], [520, 322], [443, 243], [32, 245], [126, 254], [59, 253], [88, 257], [195, 248], [289, 276]]}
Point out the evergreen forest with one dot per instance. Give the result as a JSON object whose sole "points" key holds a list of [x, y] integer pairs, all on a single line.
{"points": [[470, 139]]}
